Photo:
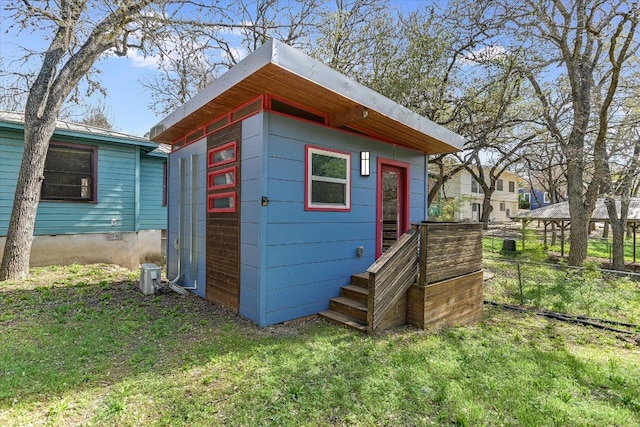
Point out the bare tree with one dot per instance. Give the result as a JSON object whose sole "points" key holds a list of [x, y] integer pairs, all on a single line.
{"points": [[97, 116], [81, 32], [590, 44], [186, 65]]}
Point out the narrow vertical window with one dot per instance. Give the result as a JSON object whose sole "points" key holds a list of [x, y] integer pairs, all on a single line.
{"points": [[474, 186]]}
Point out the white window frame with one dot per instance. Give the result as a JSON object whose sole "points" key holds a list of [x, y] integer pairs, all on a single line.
{"points": [[309, 178], [512, 184], [503, 206], [500, 185], [545, 197]]}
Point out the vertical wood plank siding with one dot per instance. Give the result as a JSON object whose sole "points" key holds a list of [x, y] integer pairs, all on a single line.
{"points": [[223, 234]]}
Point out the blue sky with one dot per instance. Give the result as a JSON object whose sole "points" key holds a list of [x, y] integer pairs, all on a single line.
{"points": [[127, 102]]}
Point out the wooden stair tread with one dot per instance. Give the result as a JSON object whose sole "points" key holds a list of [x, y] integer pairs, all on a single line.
{"points": [[350, 303], [360, 279], [343, 319], [358, 289]]}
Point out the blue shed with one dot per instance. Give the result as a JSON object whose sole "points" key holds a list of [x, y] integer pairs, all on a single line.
{"points": [[534, 197], [103, 195], [286, 178]]}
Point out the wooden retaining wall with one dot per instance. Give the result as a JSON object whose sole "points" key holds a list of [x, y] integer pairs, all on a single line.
{"points": [[449, 250], [451, 302]]}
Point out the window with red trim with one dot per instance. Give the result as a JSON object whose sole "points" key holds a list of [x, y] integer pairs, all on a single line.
{"points": [[223, 178], [222, 155], [221, 202]]}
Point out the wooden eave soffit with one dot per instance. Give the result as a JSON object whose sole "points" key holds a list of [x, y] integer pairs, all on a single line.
{"points": [[349, 116]]}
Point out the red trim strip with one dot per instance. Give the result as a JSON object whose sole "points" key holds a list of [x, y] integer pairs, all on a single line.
{"points": [[212, 152], [295, 105], [211, 178], [212, 197]]}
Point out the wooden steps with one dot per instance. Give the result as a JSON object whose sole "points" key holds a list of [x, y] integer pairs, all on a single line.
{"points": [[350, 308], [343, 320]]}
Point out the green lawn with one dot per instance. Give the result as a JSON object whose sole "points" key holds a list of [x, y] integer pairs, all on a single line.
{"points": [[82, 346]]}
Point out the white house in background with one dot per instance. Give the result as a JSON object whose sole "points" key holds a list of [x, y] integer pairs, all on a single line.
{"points": [[465, 193]]}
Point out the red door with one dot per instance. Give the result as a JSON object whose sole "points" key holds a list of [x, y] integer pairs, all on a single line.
{"points": [[392, 203]]}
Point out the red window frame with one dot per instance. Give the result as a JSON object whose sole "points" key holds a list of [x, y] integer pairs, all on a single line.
{"points": [[211, 176], [211, 153], [212, 197]]}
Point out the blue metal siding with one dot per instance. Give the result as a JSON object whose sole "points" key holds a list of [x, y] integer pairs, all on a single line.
{"points": [[311, 254], [198, 148], [153, 215], [251, 218]]}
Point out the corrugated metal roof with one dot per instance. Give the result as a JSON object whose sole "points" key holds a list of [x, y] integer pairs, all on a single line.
{"points": [[68, 128], [560, 212]]}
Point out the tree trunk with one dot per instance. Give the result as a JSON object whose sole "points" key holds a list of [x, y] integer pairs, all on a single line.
{"points": [[15, 261], [580, 205], [486, 210], [617, 231], [618, 228]]}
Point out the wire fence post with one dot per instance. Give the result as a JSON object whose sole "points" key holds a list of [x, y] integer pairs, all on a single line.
{"points": [[520, 283]]}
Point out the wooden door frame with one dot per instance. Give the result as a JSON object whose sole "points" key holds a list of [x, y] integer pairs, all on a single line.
{"points": [[405, 198]]}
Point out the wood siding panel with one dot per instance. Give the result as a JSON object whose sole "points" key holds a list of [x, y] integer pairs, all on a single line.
{"points": [[223, 231], [449, 250], [452, 302]]}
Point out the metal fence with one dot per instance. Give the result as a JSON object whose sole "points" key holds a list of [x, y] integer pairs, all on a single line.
{"points": [[497, 234], [588, 293]]}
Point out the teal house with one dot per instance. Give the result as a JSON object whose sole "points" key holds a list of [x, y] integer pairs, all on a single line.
{"points": [[103, 196]]}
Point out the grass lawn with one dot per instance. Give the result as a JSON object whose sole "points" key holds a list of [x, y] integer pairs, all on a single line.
{"points": [[82, 346]]}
